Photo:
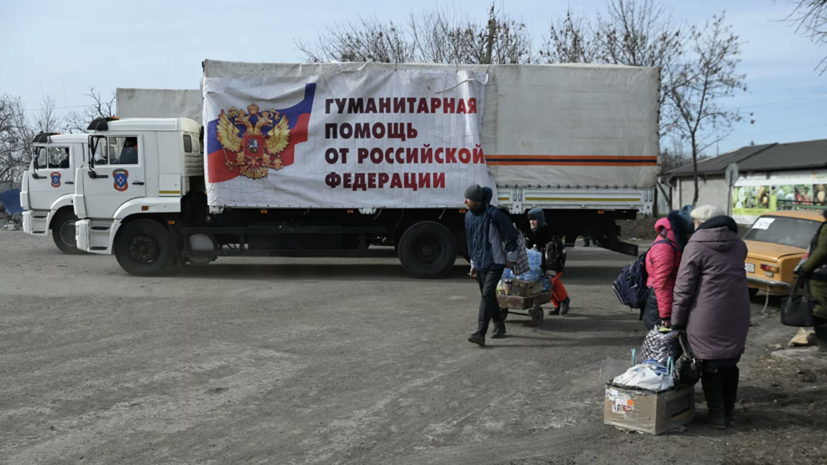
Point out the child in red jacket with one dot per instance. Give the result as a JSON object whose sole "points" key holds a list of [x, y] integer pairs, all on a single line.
{"points": [[662, 262]]}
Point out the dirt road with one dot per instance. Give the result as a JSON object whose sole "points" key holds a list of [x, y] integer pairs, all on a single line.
{"points": [[335, 361]]}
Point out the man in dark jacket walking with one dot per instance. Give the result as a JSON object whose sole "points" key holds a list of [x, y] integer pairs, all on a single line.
{"points": [[492, 246]]}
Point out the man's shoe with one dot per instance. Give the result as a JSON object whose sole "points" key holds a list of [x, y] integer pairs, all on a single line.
{"points": [[477, 339], [554, 311], [499, 332], [564, 306]]}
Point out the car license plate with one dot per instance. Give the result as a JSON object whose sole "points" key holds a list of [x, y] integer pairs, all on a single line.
{"points": [[750, 267]]}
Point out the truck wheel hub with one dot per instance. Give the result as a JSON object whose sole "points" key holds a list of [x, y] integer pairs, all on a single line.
{"points": [[428, 250], [143, 249], [67, 233]]}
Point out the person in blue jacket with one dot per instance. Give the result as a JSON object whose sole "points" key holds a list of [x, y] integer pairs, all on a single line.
{"points": [[492, 247]]}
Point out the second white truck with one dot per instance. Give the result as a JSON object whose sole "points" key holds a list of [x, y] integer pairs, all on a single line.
{"points": [[48, 186]]}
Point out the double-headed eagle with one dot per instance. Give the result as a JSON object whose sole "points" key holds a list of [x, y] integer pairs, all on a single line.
{"points": [[267, 128]]}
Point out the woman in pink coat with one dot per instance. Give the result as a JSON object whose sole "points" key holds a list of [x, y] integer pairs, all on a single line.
{"points": [[662, 262]]}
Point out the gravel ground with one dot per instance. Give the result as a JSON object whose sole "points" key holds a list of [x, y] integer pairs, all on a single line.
{"points": [[319, 361]]}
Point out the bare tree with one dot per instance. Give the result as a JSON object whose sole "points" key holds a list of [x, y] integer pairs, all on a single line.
{"points": [[17, 131], [442, 37], [706, 77], [11, 159], [78, 121], [366, 39], [570, 40], [810, 17], [435, 36]]}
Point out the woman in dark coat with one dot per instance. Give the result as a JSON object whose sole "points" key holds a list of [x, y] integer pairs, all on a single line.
{"points": [[711, 303]]}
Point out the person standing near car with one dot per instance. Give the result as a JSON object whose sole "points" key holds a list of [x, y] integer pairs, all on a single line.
{"points": [[662, 261], [545, 241], [492, 247], [712, 305], [814, 270]]}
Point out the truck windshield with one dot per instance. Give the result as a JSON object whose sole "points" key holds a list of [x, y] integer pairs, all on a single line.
{"points": [[794, 232]]}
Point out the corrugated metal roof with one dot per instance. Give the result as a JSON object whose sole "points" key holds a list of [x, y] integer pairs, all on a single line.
{"points": [[796, 155], [717, 165], [767, 157]]}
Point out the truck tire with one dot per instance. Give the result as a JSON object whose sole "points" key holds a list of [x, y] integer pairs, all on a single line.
{"points": [[427, 250], [63, 232], [143, 248]]}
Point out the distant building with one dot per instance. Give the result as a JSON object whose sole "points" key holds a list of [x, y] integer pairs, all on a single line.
{"points": [[772, 176]]}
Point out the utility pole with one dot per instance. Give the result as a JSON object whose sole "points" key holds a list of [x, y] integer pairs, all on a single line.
{"points": [[492, 28]]}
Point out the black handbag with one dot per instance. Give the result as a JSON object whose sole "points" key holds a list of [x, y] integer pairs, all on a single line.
{"points": [[798, 307], [687, 368]]}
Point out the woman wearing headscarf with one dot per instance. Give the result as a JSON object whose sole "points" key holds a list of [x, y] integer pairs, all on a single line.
{"points": [[711, 303]]}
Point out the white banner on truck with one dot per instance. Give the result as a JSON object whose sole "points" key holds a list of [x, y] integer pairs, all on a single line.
{"points": [[396, 138]]}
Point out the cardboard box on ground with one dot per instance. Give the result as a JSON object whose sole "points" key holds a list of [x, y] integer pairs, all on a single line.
{"points": [[648, 412]]}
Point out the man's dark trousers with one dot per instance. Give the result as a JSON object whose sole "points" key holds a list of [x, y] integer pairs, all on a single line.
{"points": [[489, 307]]}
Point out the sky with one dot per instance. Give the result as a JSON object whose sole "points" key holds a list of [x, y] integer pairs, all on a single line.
{"points": [[62, 48]]}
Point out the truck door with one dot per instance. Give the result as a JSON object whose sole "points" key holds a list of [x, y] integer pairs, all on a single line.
{"points": [[53, 175], [115, 175]]}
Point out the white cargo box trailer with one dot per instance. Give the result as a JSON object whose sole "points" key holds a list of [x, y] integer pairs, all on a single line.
{"points": [[159, 103]]}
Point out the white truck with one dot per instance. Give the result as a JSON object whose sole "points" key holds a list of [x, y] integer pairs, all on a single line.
{"points": [[331, 159], [48, 185]]}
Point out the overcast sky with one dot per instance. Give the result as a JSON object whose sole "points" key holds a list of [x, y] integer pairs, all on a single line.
{"points": [[60, 48]]}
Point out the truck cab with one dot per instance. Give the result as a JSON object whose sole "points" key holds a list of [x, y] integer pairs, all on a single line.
{"points": [[48, 186], [138, 170]]}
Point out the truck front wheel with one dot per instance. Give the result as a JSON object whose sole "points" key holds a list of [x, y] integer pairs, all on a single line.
{"points": [[63, 233], [428, 250], [143, 248]]}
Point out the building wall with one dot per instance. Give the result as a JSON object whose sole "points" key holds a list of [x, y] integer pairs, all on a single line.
{"points": [[712, 190]]}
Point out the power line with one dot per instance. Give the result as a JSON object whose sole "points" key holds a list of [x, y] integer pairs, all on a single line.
{"points": [[782, 130], [791, 106], [57, 108], [784, 101]]}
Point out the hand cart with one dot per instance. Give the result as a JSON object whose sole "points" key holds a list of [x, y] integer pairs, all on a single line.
{"points": [[531, 303]]}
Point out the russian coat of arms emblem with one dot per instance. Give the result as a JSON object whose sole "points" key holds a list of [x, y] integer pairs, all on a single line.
{"points": [[253, 141]]}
